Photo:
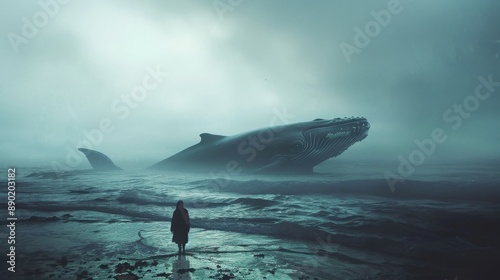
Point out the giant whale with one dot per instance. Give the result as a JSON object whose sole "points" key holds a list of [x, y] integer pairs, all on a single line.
{"points": [[296, 147]]}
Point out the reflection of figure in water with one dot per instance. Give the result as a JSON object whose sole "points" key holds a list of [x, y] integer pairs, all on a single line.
{"points": [[180, 226], [181, 268]]}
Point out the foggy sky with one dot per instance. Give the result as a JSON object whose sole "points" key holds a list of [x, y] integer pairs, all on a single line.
{"points": [[237, 69]]}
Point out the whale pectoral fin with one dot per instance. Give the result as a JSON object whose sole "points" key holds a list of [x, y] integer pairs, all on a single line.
{"points": [[98, 160], [272, 166], [278, 165]]}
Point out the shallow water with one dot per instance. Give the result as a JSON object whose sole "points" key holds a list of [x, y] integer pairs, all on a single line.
{"points": [[343, 222]]}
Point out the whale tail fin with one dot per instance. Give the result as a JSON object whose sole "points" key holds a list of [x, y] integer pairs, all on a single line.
{"points": [[98, 160]]}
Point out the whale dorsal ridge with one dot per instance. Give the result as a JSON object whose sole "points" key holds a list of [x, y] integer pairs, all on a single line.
{"points": [[209, 138]]}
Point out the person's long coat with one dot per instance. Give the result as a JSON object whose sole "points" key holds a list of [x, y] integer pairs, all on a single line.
{"points": [[180, 226]]}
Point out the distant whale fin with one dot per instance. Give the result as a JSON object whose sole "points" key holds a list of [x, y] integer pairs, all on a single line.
{"points": [[208, 138], [99, 160]]}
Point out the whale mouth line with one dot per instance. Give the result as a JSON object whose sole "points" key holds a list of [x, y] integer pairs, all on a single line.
{"points": [[337, 127]]}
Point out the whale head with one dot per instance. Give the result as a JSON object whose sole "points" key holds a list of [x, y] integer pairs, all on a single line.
{"points": [[304, 145]]}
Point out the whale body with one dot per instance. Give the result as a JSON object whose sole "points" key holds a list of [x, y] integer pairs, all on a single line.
{"points": [[296, 147]]}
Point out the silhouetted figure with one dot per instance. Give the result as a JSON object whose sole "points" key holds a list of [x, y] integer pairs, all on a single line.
{"points": [[180, 226]]}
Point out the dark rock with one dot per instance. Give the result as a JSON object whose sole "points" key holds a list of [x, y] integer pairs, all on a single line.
{"points": [[129, 276], [123, 267], [164, 274], [140, 264], [182, 270], [227, 277]]}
